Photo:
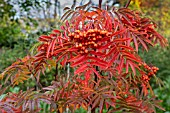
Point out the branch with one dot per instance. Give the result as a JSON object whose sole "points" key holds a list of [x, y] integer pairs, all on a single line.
{"points": [[68, 71], [127, 4], [100, 3]]}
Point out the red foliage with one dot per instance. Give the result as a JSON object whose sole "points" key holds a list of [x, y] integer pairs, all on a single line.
{"points": [[102, 47]]}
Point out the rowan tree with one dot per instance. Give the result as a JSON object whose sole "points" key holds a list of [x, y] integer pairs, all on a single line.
{"points": [[98, 50]]}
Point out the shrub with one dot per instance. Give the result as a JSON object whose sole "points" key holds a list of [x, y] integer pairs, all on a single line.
{"points": [[98, 52]]}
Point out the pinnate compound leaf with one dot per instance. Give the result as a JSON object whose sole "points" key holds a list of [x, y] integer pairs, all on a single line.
{"points": [[101, 105]]}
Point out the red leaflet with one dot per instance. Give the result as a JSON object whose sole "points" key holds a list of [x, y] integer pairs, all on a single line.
{"points": [[45, 37], [97, 53], [121, 40], [63, 63], [82, 68], [119, 32], [130, 99], [101, 105], [53, 45], [39, 58], [121, 65], [40, 54], [77, 58], [112, 51], [48, 49], [59, 38], [83, 60], [67, 24], [162, 40], [116, 55], [144, 89], [60, 50], [143, 44], [135, 42], [62, 28], [102, 66], [42, 47], [61, 56], [87, 75], [97, 59], [94, 70], [105, 46], [111, 103], [132, 67], [127, 66], [73, 49], [125, 47], [130, 56], [65, 36], [149, 42], [56, 31], [96, 102]]}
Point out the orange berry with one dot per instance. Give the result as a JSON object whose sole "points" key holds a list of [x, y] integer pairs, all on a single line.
{"points": [[69, 34], [92, 42], [78, 36], [102, 32], [89, 31], [80, 45], [139, 64], [95, 30], [144, 64], [75, 36], [154, 71], [72, 34], [81, 34], [95, 45], [77, 31], [77, 45], [107, 34], [86, 51], [100, 36], [149, 74], [149, 68], [81, 52], [94, 38], [93, 34], [83, 48], [85, 35], [99, 43]]}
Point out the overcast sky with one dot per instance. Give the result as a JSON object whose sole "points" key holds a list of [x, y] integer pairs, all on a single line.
{"points": [[36, 13]]}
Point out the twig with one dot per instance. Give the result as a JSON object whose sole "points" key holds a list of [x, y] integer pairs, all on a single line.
{"points": [[127, 4], [100, 3]]}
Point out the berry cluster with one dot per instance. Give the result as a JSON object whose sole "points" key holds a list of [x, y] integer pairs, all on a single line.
{"points": [[145, 78], [151, 70], [88, 40]]}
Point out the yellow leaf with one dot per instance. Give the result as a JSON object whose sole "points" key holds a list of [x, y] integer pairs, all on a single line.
{"points": [[137, 3]]}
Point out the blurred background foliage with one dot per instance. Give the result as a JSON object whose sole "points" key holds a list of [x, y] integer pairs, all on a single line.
{"points": [[23, 21]]}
